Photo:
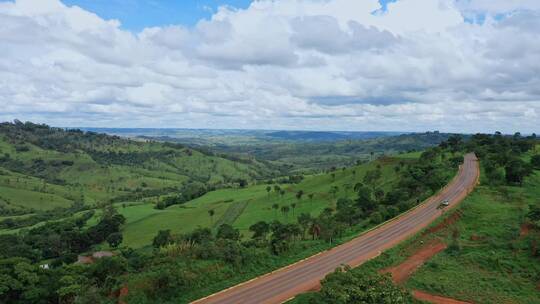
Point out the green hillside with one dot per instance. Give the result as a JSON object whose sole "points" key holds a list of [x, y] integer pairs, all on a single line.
{"points": [[42, 168], [143, 221]]}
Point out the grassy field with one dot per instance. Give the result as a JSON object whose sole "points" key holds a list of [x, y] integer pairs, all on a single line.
{"points": [[143, 222], [495, 264]]}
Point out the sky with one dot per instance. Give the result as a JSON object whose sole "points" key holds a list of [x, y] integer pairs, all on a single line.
{"points": [[404, 65]]}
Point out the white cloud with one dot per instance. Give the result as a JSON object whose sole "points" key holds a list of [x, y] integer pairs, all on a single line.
{"points": [[316, 64]]}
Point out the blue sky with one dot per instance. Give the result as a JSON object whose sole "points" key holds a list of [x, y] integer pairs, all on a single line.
{"points": [[138, 14]]}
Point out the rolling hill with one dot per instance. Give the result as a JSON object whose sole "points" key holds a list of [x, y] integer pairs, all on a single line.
{"points": [[42, 168]]}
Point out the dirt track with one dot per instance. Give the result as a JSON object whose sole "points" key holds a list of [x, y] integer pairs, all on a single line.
{"points": [[303, 276], [424, 296], [403, 271]]}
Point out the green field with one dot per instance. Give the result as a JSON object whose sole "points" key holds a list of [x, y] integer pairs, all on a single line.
{"points": [[143, 222]]}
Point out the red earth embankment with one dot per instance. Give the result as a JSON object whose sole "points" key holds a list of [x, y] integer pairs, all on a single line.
{"points": [[403, 271], [424, 296]]}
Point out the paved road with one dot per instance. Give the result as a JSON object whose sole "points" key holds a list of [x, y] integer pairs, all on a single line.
{"points": [[303, 276]]}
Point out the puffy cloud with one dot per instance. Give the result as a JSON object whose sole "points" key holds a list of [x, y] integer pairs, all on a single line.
{"points": [[315, 64]]}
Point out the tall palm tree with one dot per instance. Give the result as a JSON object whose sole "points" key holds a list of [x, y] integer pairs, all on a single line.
{"points": [[285, 210]]}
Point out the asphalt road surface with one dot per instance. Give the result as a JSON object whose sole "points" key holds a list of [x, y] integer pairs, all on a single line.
{"points": [[287, 282]]}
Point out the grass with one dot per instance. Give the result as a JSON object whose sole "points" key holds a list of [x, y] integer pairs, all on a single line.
{"points": [[32, 199], [143, 222], [244, 207], [93, 183], [232, 213], [498, 268]]}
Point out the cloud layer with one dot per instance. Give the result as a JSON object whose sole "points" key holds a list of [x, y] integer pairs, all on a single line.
{"points": [[464, 65]]}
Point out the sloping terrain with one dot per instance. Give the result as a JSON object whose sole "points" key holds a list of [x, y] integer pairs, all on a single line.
{"points": [[258, 202], [42, 168]]}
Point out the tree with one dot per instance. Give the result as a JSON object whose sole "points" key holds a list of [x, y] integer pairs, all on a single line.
{"points": [[516, 170], [260, 230], [365, 199], [162, 238], [282, 234], [347, 212], [282, 193], [285, 210], [277, 189], [227, 232], [114, 239], [310, 196], [376, 217], [20, 282], [455, 143], [299, 194], [534, 215], [379, 195], [242, 183], [200, 236], [293, 206], [211, 212], [346, 286], [268, 189], [329, 227], [304, 219], [535, 161], [314, 229]]}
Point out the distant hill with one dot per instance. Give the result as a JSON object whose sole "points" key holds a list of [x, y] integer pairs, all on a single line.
{"points": [[322, 155], [305, 151], [327, 136], [209, 137]]}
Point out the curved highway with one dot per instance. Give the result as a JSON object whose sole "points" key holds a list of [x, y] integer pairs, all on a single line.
{"points": [[287, 282]]}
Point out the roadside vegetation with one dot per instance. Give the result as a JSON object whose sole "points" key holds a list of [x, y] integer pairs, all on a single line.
{"points": [[492, 237]]}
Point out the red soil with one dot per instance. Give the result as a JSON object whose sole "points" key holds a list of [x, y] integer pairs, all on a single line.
{"points": [[423, 296], [444, 224], [475, 237], [524, 230], [403, 271], [124, 291]]}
